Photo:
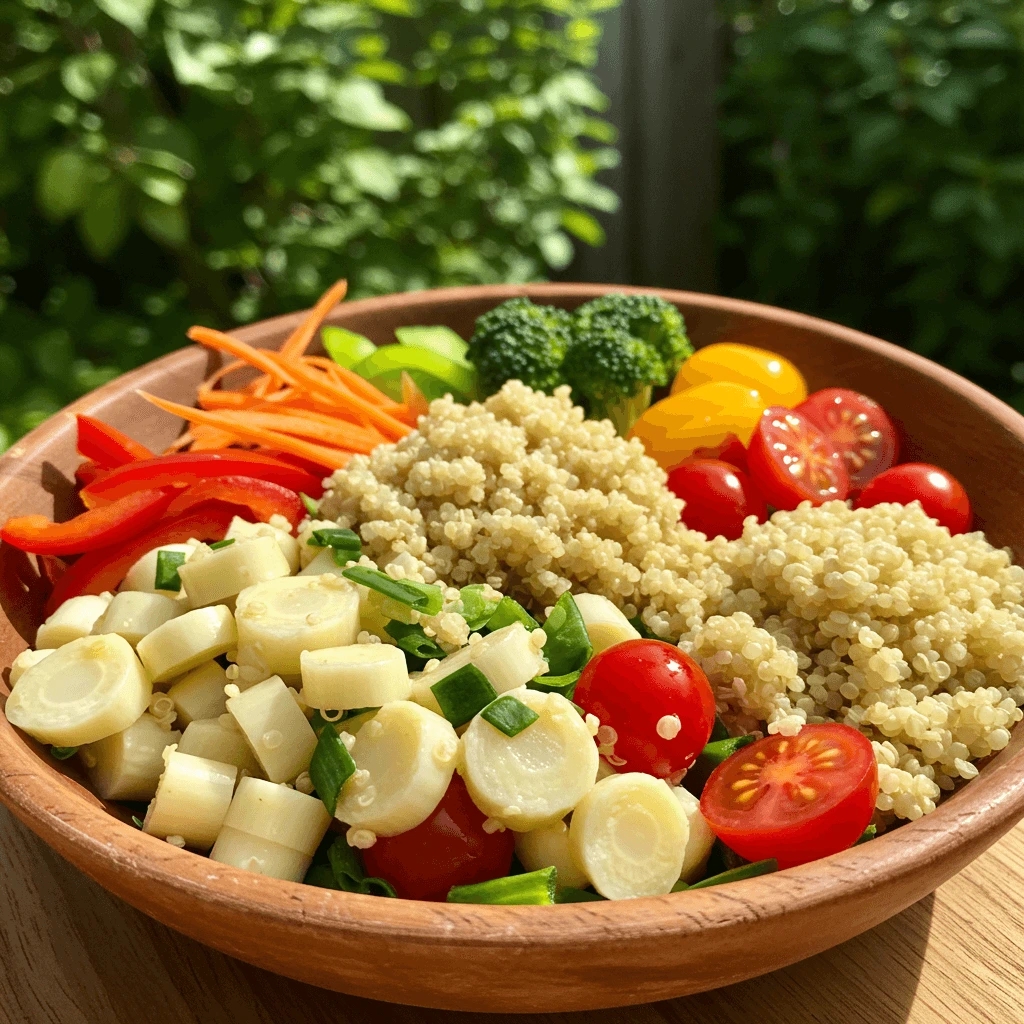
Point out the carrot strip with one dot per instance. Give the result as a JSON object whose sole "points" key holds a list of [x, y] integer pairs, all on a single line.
{"points": [[335, 434], [332, 458], [260, 358], [300, 338]]}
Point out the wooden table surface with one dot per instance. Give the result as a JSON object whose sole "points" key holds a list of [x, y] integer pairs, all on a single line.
{"points": [[70, 953]]}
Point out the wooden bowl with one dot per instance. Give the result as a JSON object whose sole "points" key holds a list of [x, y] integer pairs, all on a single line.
{"points": [[512, 959]]}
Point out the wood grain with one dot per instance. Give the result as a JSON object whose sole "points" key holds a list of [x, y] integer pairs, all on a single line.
{"points": [[562, 958], [70, 953]]}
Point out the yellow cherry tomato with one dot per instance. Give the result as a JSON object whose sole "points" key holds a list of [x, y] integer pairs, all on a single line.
{"points": [[776, 378], [702, 417]]}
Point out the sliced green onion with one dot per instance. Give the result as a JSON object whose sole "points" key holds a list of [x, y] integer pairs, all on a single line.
{"points": [[569, 894], [63, 753], [137, 821], [718, 731], [217, 545], [422, 597], [869, 833], [709, 759], [331, 767], [536, 889], [348, 872], [759, 867], [509, 611], [414, 643], [312, 506], [564, 685], [337, 538], [568, 647], [167, 565], [463, 694], [509, 715], [680, 886], [477, 609]]}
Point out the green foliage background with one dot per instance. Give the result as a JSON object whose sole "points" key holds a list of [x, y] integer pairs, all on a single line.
{"points": [[166, 162], [873, 157]]}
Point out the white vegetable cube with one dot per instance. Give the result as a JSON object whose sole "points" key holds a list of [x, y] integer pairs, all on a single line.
{"points": [[210, 576], [142, 575], [24, 661], [128, 765], [508, 657], [212, 739], [308, 552], [272, 830], [405, 757], [629, 834], [606, 625], [323, 563], [200, 693], [548, 847], [359, 676], [700, 839], [186, 642], [276, 730], [537, 776], [88, 689], [280, 619], [134, 614], [278, 528], [192, 799], [74, 619]]}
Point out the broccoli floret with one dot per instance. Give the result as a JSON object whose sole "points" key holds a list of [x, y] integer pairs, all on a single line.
{"points": [[646, 317], [521, 341], [612, 373]]}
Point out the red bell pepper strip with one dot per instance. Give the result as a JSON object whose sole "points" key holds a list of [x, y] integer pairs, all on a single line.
{"points": [[187, 468], [106, 445], [97, 528], [259, 497], [88, 471], [105, 568]]}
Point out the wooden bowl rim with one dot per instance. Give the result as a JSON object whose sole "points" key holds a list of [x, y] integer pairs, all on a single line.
{"points": [[69, 819]]}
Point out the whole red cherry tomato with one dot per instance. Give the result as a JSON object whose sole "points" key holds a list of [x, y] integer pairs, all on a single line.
{"points": [[858, 426], [794, 798], [449, 848], [731, 450], [792, 461], [942, 496], [654, 704], [718, 497]]}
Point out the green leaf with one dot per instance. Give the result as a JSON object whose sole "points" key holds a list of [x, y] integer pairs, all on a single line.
{"points": [[434, 374], [133, 14], [64, 184], [360, 102], [583, 226], [373, 172], [346, 347], [86, 75], [105, 221], [557, 250], [442, 340], [165, 224], [407, 8]]}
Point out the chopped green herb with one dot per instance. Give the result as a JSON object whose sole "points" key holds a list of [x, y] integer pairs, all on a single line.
{"points": [[535, 889], [709, 759], [719, 731], [137, 821], [569, 894], [422, 597], [217, 545], [565, 685], [330, 768], [509, 715], [167, 565], [414, 643], [759, 867], [869, 833], [348, 871], [509, 611], [643, 629], [463, 694], [477, 609], [321, 876], [568, 647], [63, 753], [312, 506]]}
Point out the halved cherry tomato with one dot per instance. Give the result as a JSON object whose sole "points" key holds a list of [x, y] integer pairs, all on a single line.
{"points": [[103, 569], [858, 427], [794, 798], [777, 380], [792, 461], [449, 848], [942, 496], [94, 529], [106, 445], [262, 498], [718, 497], [187, 468], [654, 704]]}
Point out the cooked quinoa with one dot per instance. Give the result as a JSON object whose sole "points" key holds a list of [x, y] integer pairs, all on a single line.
{"points": [[873, 617]]}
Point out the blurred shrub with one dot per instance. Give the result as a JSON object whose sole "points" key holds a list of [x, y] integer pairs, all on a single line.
{"points": [[224, 160], [874, 171]]}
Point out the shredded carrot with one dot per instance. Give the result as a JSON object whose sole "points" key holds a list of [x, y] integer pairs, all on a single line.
{"points": [[299, 341], [332, 432]]}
